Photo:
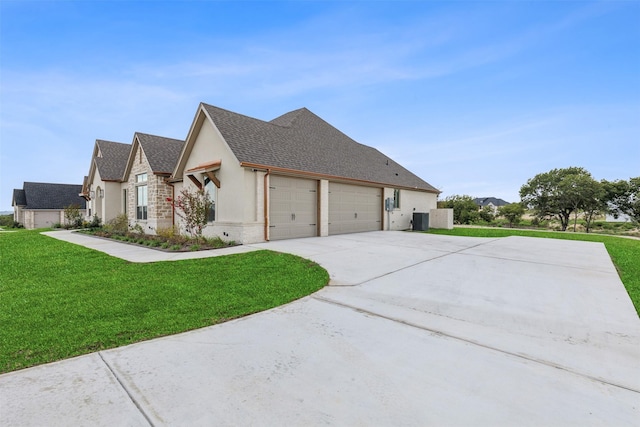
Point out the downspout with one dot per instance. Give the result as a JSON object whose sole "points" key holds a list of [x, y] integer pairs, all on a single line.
{"points": [[173, 199], [266, 207]]}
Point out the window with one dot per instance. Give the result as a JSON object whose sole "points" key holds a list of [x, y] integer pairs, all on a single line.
{"points": [[210, 189], [396, 199], [141, 196], [124, 201]]}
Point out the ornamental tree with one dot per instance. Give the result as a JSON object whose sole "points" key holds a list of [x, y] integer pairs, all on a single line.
{"points": [[193, 207]]}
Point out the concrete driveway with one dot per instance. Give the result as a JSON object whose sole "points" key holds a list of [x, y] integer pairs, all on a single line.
{"points": [[415, 329]]}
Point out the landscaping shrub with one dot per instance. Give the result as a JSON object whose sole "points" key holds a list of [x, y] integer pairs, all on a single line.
{"points": [[118, 225]]}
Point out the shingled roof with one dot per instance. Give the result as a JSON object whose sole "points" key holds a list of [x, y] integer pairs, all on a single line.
{"points": [[485, 201], [162, 153], [111, 159], [19, 198], [301, 141], [41, 195]]}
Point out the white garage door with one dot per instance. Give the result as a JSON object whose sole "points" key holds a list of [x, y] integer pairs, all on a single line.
{"points": [[46, 218], [353, 208], [293, 207]]}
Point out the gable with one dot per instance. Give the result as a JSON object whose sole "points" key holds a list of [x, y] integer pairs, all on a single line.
{"points": [[110, 159], [19, 198], [160, 153]]}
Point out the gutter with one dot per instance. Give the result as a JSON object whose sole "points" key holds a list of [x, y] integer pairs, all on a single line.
{"points": [[287, 171]]}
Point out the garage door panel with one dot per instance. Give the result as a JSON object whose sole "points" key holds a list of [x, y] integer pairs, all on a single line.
{"points": [[292, 207], [354, 208]]}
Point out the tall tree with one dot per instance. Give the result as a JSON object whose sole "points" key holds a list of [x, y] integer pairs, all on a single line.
{"points": [[623, 198], [556, 193], [594, 201]]}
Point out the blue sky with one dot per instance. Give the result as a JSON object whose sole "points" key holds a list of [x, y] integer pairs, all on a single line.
{"points": [[474, 97]]}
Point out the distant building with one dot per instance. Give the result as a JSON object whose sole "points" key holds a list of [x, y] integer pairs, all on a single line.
{"points": [[620, 218], [492, 202], [40, 204]]}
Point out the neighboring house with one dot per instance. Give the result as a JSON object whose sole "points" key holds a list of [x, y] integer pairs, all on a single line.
{"points": [[130, 179], [619, 218], [102, 187], [491, 202], [295, 176], [151, 161], [39, 204]]}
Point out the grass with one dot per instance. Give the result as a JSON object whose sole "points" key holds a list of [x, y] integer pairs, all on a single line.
{"points": [[624, 252], [59, 300]]}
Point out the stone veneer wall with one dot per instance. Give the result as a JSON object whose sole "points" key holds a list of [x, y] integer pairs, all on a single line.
{"points": [[159, 211]]}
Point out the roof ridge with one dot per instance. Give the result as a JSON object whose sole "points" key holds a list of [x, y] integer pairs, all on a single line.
{"points": [[111, 142], [158, 136]]}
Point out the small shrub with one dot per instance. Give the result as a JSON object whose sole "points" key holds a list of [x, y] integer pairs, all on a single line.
{"points": [[216, 242], [167, 232], [194, 248], [118, 225], [165, 245], [176, 247], [96, 222], [56, 225], [137, 229]]}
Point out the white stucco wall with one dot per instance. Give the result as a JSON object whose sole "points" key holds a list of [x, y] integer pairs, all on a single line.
{"points": [[323, 208], [240, 198], [410, 202], [441, 218], [107, 207]]}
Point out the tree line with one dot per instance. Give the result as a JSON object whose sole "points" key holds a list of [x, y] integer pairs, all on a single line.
{"points": [[561, 194]]}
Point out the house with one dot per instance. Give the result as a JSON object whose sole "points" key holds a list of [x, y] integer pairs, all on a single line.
{"points": [[294, 176], [491, 202], [39, 204], [102, 187]]}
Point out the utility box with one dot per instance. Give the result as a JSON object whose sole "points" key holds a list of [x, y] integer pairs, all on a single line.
{"points": [[420, 221]]}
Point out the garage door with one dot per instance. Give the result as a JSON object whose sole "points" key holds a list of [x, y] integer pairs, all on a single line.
{"points": [[353, 208], [46, 218], [293, 207]]}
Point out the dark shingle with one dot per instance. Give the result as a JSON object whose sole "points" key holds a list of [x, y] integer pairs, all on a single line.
{"points": [[302, 141], [19, 198], [41, 195], [162, 153], [112, 159], [485, 201]]}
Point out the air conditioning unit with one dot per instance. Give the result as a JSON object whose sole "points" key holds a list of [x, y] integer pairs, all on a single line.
{"points": [[420, 221]]}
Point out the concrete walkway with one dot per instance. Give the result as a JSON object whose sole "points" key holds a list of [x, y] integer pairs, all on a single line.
{"points": [[415, 330]]}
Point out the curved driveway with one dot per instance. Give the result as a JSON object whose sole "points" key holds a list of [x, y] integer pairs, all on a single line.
{"points": [[414, 329]]}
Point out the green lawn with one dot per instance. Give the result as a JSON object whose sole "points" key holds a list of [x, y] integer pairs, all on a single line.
{"points": [[59, 300], [624, 252]]}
